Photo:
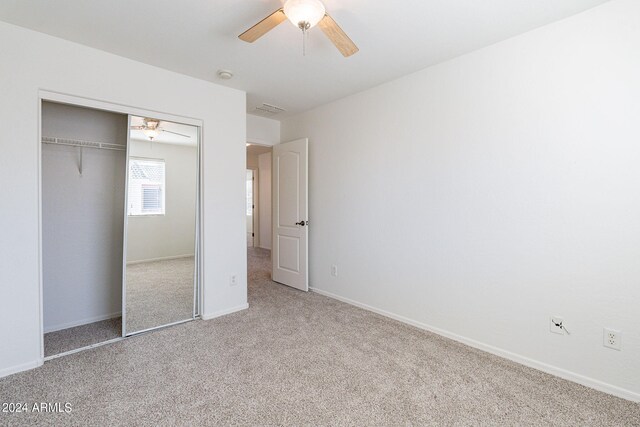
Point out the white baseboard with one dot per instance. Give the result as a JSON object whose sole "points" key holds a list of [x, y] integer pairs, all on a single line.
{"points": [[166, 258], [550, 369], [210, 316], [19, 368], [75, 323]]}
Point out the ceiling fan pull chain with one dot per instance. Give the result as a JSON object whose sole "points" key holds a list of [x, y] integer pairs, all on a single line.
{"points": [[304, 26], [304, 41]]}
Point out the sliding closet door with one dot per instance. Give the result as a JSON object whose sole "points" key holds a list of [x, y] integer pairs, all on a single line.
{"points": [[161, 224]]}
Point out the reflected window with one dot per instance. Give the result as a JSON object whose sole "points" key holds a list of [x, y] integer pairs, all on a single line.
{"points": [[146, 187]]}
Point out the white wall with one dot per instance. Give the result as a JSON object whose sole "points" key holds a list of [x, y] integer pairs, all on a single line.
{"points": [[264, 200], [483, 195], [36, 61], [82, 217], [261, 130], [171, 234]]}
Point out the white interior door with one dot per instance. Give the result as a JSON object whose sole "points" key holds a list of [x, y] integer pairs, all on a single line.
{"points": [[290, 210]]}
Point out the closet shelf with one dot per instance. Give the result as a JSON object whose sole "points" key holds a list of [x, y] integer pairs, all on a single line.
{"points": [[83, 144]]}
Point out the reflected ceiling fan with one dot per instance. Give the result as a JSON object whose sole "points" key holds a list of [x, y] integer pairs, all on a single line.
{"points": [[151, 128], [304, 14]]}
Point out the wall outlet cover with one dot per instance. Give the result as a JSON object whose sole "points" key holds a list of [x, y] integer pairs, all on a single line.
{"points": [[334, 270], [612, 339]]}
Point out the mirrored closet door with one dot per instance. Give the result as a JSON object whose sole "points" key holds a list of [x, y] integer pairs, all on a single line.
{"points": [[161, 246]]}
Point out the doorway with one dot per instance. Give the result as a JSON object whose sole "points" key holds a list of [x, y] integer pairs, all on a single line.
{"points": [[280, 218], [258, 196]]}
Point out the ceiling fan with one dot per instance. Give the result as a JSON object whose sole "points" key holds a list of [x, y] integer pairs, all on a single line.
{"points": [[151, 128], [304, 14]]}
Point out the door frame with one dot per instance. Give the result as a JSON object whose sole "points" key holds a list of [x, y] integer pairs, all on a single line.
{"points": [[255, 212], [80, 101]]}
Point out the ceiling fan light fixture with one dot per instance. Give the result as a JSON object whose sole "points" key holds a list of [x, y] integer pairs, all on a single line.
{"points": [[304, 14], [150, 133]]}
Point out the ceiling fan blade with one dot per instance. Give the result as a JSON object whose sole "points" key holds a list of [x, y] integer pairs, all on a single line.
{"points": [[263, 27], [338, 37], [175, 133], [137, 127]]}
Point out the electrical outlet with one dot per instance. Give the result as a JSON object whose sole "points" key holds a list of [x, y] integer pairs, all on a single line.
{"points": [[334, 270], [234, 280], [555, 325], [612, 339]]}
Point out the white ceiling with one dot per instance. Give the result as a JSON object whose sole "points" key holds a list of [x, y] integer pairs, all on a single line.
{"points": [[199, 37]]}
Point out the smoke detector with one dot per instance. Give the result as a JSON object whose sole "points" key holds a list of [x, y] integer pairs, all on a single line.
{"points": [[225, 74]]}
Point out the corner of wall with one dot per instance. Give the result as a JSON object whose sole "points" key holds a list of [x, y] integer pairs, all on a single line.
{"points": [[261, 130]]}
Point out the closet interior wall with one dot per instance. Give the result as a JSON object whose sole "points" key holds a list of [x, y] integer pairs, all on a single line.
{"points": [[83, 193]]}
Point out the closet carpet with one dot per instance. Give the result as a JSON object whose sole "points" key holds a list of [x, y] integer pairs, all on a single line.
{"points": [[82, 336], [298, 358], [158, 293]]}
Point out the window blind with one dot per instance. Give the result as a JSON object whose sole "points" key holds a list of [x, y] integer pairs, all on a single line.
{"points": [[146, 187]]}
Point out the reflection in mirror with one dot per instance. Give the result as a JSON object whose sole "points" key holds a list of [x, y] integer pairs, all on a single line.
{"points": [[162, 203]]}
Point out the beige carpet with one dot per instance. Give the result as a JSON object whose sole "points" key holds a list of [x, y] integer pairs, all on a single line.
{"points": [[159, 293], [302, 359], [82, 336]]}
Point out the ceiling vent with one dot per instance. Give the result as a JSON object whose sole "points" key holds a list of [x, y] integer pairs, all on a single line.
{"points": [[268, 110]]}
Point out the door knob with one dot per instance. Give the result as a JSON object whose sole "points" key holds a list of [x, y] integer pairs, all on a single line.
{"points": [[302, 223]]}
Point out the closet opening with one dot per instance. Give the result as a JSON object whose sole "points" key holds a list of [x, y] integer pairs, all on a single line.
{"points": [[83, 159], [120, 224]]}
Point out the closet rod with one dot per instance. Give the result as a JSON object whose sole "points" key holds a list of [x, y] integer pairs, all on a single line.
{"points": [[83, 144]]}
